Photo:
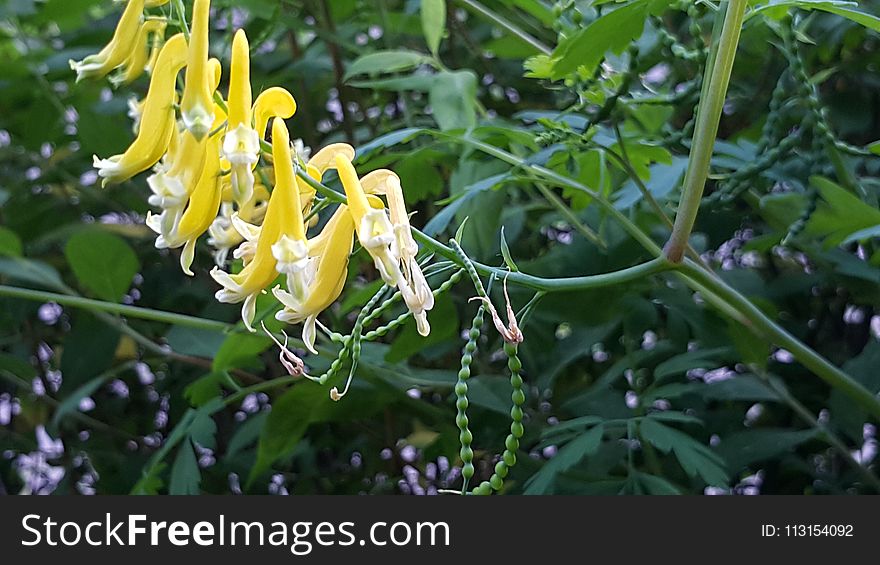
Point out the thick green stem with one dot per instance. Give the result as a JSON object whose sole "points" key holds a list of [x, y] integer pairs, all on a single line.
{"points": [[113, 308], [772, 331], [708, 117]]}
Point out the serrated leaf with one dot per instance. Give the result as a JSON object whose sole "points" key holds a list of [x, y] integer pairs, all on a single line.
{"points": [[695, 458], [185, 473], [566, 458]]}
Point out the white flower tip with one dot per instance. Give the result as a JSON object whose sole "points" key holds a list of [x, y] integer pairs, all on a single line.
{"points": [[422, 325]]}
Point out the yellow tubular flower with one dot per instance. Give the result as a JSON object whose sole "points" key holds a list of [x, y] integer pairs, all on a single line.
{"points": [[241, 147], [374, 230], [119, 48], [137, 61], [197, 105], [280, 243], [318, 164], [157, 120], [176, 179], [203, 203], [414, 288], [326, 279]]}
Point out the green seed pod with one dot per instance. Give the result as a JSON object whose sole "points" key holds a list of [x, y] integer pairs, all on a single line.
{"points": [[511, 444], [496, 482], [461, 401]]}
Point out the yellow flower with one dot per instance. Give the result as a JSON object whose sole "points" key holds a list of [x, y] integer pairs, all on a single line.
{"points": [[203, 203], [187, 221], [374, 230], [197, 104], [137, 61], [176, 179], [119, 48], [325, 277], [280, 245], [413, 287], [223, 235], [157, 119], [241, 147]]}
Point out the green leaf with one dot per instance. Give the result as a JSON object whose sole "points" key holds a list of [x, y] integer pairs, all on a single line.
{"points": [[246, 435], [613, 32], [839, 213], [10, 243], [71, 404], [453, 98], [444, 326], [741, 387], [752, 349], [185, 473], [697, 359], [751, 446], [151, 482], [17, 366], [566, 458], [195, 341], [287, 422], [505, 253], [385, 62], [207, 388], [695, 458], [778, 8], [490, 392], [656, 485], [417, 82], [240, 350], [88, 349], [433, 22], [102, 262], [31, 272]]}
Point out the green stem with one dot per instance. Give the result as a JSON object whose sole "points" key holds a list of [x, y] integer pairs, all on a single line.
{"points": [[828, 435], [570, 216], [121, 309], [770, 330], [708, 118], [654, 266], [504, 23]]}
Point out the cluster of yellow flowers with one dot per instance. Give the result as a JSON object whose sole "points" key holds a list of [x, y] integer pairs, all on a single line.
{"points": [[203, 151]]}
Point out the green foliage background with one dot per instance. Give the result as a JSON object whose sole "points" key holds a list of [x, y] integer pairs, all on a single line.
{"points": [[638, 388]]}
